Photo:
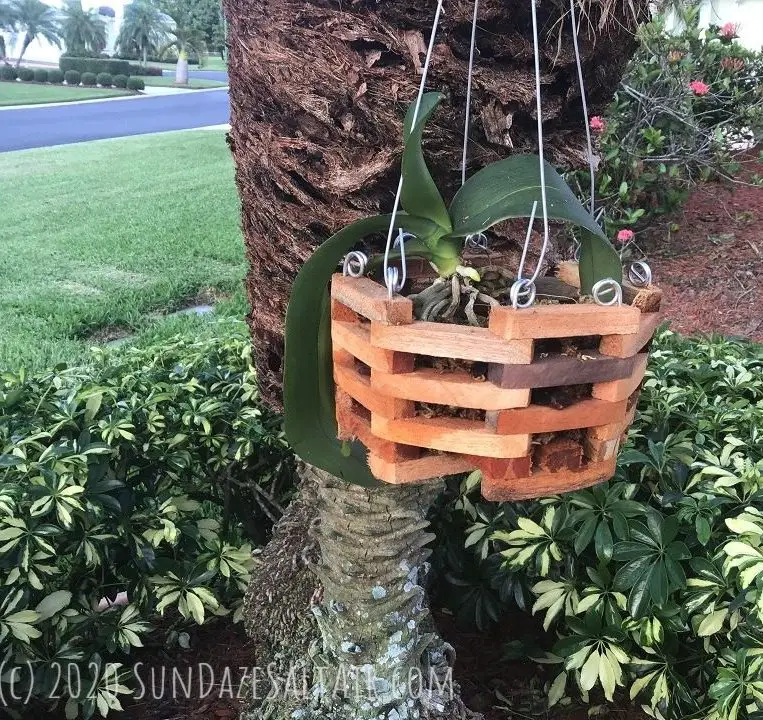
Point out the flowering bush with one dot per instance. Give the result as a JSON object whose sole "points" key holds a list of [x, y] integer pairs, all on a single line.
{"points": [[689, 102], [651, 585]]}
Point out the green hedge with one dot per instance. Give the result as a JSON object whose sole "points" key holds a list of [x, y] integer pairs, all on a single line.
{"points": [[40, 75], [148, 473], [89, 79], [94, 65], [26, 74], [104, 79], [135, 83], [149, 70], [55, 76], [120, 81], [8, 72], [72, 77]]}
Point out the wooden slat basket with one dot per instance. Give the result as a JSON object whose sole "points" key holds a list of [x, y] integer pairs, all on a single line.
{"points": [[430, 399]]}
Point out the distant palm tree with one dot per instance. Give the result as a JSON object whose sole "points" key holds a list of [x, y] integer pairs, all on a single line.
{"points": [[144, 29], [36, 19], [82, 30], [7, 22], [185, 39]]}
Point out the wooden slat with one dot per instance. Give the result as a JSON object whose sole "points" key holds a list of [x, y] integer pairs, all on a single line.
{"points": [[621, 389], [469, 437], [544, 484], [599, 450], [561, 321], [413, 471], [542, 419], [371, 300], [455, 341], [353, 426], [339, 311], [590, 367], [646, 299], [358, 387], [355, 339], [615, 430], [458, 389], [627, 345], [508, 469]]}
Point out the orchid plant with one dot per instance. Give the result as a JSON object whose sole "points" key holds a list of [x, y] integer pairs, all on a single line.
{"points": [[505, 189]]}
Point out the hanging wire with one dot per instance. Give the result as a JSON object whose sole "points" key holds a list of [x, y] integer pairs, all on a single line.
{"points": [[388, 280], [465, 153], [591, 168]]}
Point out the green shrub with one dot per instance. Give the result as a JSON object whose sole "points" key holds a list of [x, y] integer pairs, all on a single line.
{"points": [[104, 79], [663, 133], [72, 77], [89, 79], [114, 478], [26, 74], [94, 65], [7, 72], [148, 70], [651, 583], [120, 81], [135, 83], [40, 75], [55, 76]]}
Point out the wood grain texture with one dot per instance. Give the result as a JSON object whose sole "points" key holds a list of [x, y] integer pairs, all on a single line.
{"points": [[646, 299], [508, 469], [353, 426], [544, 484], [339, 311], [562, 321], [543, 419], [458, 389], [418, 470], [469, 437], [599, 450], [627, 345], [371, 300], [617, 390], [355, 339], [358, 387], [557, 370], [455, 341]]}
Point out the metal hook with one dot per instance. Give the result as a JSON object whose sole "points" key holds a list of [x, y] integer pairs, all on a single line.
{"points": [[477, 241], [522, 293], [355, 263], [607, 285], [640, 274], [395, 279]]}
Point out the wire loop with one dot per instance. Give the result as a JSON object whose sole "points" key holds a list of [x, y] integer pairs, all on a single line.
{"points": [[640, 274], [602, 288], [522, 293], [355, 263], [395, 279]]}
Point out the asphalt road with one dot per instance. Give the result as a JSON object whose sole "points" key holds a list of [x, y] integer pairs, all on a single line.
{"points": [[70, 123]]}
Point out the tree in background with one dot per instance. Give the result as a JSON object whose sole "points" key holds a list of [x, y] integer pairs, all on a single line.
{"points": [[203, 17], [144, 29], [7, 23], [83, 31], [185, 37], [36, 20]]}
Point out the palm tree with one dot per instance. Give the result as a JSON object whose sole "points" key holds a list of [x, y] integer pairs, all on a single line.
{"points": [[82, 30], [185, 39], [317, 94], [36, 19], [7, 23], [143, 30]]}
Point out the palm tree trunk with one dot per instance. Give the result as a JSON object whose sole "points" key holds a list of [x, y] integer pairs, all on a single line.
{"points": [[375, 652], [181, 69], [145, 56], [27, 42]]}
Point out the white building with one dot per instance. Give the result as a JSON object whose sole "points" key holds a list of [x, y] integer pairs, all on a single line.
{"points": [[41, 51], [747, 15]]}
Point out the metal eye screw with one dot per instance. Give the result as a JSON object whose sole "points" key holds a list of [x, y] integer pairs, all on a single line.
{"points": [[640, 274], [354, 264], [477, 241], [522, 293], [603, 288]]}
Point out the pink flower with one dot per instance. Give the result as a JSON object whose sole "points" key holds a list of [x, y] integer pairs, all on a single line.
{"points": [[728, 31], [597, 124], [699, 88], [625, 236]]}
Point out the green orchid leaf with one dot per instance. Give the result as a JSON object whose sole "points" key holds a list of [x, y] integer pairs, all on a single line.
{"points": [[420, 195], [508, 188], [310, 415]]}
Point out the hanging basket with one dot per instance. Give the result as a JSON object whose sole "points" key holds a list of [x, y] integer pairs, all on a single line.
{"points": [[430, 399]]}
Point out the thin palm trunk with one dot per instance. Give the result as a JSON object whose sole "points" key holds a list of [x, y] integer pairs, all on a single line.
{"points": [[27, 42], [181, 69], [145, 56]]}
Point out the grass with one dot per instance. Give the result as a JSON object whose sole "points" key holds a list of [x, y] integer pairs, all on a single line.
{"points": [[103, 239], [195, 83], [16, 93]]}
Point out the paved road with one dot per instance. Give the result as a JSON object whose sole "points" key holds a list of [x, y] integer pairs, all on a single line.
{"points": [[71, 123]]}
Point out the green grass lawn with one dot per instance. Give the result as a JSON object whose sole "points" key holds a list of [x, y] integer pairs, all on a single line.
{"points": [[16, 93], [167, 81], [101, 239]]}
